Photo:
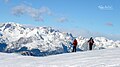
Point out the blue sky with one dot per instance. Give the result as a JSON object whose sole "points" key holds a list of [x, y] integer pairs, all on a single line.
{"points": [[80, 17]]}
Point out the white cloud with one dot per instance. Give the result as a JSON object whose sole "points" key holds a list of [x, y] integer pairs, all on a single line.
{"points": [[36, 14], [105, 7], [6, 1], [19, 10], [62, 19], [27, 3], [109, 24], [29, 25]]}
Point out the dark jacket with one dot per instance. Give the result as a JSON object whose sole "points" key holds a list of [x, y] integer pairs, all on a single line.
{"points": [[91, 42]]}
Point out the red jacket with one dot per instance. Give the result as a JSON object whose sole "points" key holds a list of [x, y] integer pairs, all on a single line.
{"points": [[75, 42]]}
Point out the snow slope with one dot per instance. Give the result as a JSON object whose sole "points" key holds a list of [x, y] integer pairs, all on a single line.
{"points": [[95, 58]]}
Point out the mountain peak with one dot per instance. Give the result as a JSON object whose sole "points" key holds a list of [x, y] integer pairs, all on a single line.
{"points": [[11, 24]]}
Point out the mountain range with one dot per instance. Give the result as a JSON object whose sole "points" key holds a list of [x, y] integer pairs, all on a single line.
{"points": [[43, 41]]}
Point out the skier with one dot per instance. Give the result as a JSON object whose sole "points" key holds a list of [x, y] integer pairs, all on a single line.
{"points": [[74, 45], [90, 43]]}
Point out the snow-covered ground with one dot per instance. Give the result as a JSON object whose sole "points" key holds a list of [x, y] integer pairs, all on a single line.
{"points": [[94, 58]]}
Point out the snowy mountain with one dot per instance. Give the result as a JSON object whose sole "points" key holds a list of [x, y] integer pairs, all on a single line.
{"points": [[39, 40], [100, 43], [95, 58], [42, 41]]}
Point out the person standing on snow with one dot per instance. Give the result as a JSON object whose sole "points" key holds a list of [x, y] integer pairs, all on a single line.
{"points": [[74, 45], [90, 43]]}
